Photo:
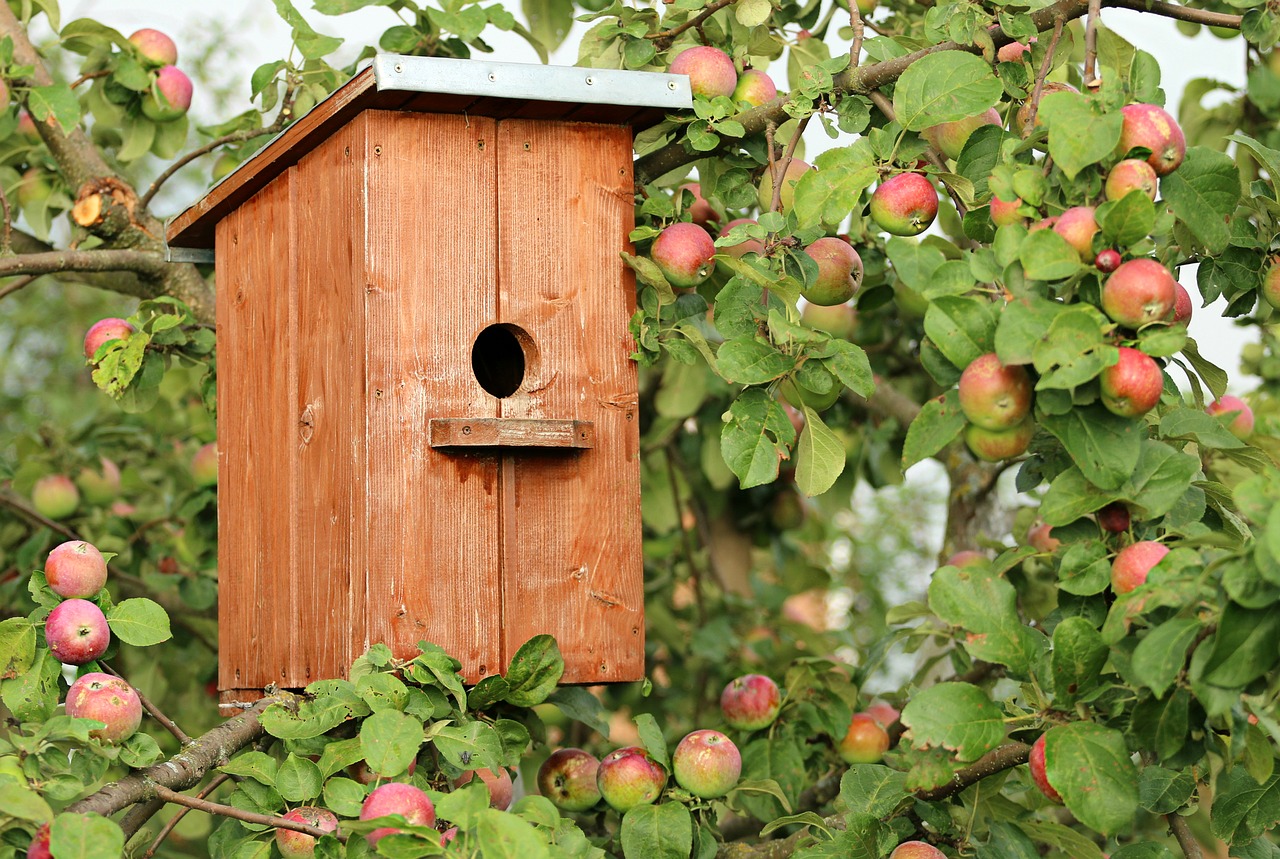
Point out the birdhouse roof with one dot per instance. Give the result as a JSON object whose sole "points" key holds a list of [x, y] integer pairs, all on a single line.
{"points": [[437, 85]]}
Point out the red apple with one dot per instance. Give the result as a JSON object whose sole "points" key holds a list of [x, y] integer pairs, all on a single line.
{"points": [[359, 771], [1149, 126], [1182, 308], [916, 850], [111, 328], [1014, 51], [1038, 774], [295, 844], [397, 798], [755, 88], [949, 138], [1271, 281], [839, 272], [170, 96], [77, 632], [702, 212], [100, 487], [154, 47], [1006, 214], [993, 395], [991, 445], [499, 786], [742, 248], [1131, 174], [711, 72], [1133, 563], [685, 254], [630, 777], [839, 320], [568, 779], [1131, 387], [204, 465], [707, 764], [1107, 261], [1114, 518], [865, 741], [1139, 292], [1041, 538], [904, 205], [27, 126], [1078, 226], [54, 496], [795, 169], [967, 558], [1241, 425], [39, 847], [75, 569], [750, 702], [109, 700], [884, 713]]}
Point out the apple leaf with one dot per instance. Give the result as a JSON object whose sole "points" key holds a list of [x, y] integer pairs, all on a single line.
{"points": [[914, 263], [1161, 791], [1078, 134], [17, 647], [652, 740], [343, 796], [33, 695], [139, 621], [984, 605], [756, 436], [1078, 656], [18, 800], [1073, 351], [872, 789], [955, 716], [1089, 765], [534, 671], [1069, 842], [1203, 193], [962, 328], [1244, 646], [657, 832], [1105, 447], [1024, 323], [56, 102], [471, 746], [258, 766], [944, 87], [1085, 569], [752, 361], [820, 456], [826, 195], [939, 423], [298, 779], [1242, 808], [85, 836], [1045, 255], [581, 706], [1128, 220]]}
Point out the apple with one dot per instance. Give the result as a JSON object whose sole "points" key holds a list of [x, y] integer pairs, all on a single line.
{"points": [[1043, 224], [991, 445], [839, 320], [904, 205], [1131, 387], [755, 88], [39, 847], [1078, 226], [1139, 292], [75, 569], [685, 254], [204, 465], [295, 844], [883, 712], [104, 330], [1114, 518], [1271, 281], [568, 779], [742, 248], [54, 496], [100, 487], [1133, 563], [711, 72], [916, 850], [750, 702], [1107, 261], [1182, 308], [993, 395], [866, 7], [966, 558], [1041, 538], [397, 798], [1005, 214], [169, 97], [706, 763], [702, 212], [358, 771], [1038, 774], [1131, 174], [799, 396], [109, 700], [499, 786], [1149, 126], [34, 187], [1014, 51], [949, 138], [448, 835], [154, 47], [795, 169], [629, 777], [77, 632], [27, 126], [1241, 425], [864, 742], [839, 272]]}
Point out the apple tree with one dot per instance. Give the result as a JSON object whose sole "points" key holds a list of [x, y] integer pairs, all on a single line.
{"points": [[1067, 644]]}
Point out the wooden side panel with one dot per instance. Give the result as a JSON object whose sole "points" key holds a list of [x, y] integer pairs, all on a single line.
{"points": [[431, 287], [327, 416], [256, 436], [571, 524]]}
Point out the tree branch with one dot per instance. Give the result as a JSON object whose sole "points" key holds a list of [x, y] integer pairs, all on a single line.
{"points": [[239, 814], [997, 760], [24, 510], [663, 39], [53, 262], [1186, 840], [209, 788], [1046, 66], [889, 402]]}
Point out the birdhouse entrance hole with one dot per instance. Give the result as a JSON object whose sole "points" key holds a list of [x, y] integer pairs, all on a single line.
{"points": [[501, 356]]}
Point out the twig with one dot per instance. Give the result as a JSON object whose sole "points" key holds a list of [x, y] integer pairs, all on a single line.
{"points": [[18, 284], [997, 760], [88, 76], [695, 571], [781, 168], [149, 705], [1186, 840], [1045, 67], [239, 814], [935, 158], [1091, 79], [1180, 13], [855, 21], [182, 812], [7, 247], [664, 38], [22, 509]]}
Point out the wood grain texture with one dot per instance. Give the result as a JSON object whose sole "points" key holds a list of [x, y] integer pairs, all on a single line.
{"points": [[571, 525], [509, 432]]}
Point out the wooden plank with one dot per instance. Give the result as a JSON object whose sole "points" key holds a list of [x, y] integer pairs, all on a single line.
{"points": [[255, 438], [509, 432], [430, 289], [571, 525]]}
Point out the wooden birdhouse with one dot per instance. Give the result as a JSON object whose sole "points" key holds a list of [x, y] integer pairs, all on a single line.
{"points": [[427, 416]]}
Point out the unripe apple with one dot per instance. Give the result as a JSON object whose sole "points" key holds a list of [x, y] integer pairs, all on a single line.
{"points": [[1107, 261], [865, 741], [967, 558], [54, 496], [630, 777], [883, 712], [916, 850], [1139, 292], [1038, 774], [755, 87], [904, 205], [111, 328], [170, 96], [39, 847], [499, 786], [294, 845], [1133, 563], [795, 169], [750, 702], [1241, 425], [1131, 174], [568, 779], [702, 212], [397, 798], [742, 248], [204, 465], [991, 445], [1150, 126], [839, 272], [1271, 281], [1014, 51], [711, 72], [707, 764], [685, 254], [34, 187], [1041, 538], [77, 632], [100, 487], [1078, 226], [1006, 214], [839, 320], [75, 569], [1114, 518], [949, 138], [1182, 308], [109, 700], [155, 47], [993, 395], [1131, 387], [866, 7]]}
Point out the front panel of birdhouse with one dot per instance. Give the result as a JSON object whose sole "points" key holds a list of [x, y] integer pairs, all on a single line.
{"points": [[428, 424]]}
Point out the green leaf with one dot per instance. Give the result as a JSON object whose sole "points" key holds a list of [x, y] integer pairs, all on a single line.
{"points": [[33, 695], [820, 456], [139, 622], [18, 800], [581, 706], [499, 835], [1203, 193], [1242, 808], [1085, 569], [849, 364], [340, 754], [343, 796], [955, 716], [85, 836], [939, 423], [140, 751], [756, 436], [1105, 447], [549, 20], [1071, 843], [826, 195], [1089, 765], [475, 745], [1143, 850], [984, 605], [872, 789], [657, 832], [1024, 323], [1161, 791], [311, 44], [534, 671], [258, 766], [1045, 255], [962, 328], [1078, 134], [1073, 351], [652, 739], [1129, 220], [752, 361], [944, 87], [914, 263], [57, 102], [1244, 647], [299, 780], [17, 647], [315, 717], [390, 741], [1267, 157], [1162, 652], [1078, 656]]}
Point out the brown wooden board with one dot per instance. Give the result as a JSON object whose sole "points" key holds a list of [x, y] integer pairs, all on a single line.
{"points": [[509, 432]]}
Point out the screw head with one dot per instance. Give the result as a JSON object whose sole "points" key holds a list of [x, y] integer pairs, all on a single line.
{"points": [[492, 76]]}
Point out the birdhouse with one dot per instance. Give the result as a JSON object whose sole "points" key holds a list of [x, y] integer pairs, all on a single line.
{"points": [[427, 410]]}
